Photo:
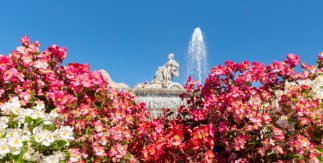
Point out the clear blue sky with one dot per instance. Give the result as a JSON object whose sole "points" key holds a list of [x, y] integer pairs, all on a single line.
{"points": [[130, 39]]}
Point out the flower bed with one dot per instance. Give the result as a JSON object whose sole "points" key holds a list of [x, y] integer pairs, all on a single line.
{"points": [[243, 113]]}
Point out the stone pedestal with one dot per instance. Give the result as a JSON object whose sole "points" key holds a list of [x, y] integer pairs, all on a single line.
{"points": [[157, 99]]}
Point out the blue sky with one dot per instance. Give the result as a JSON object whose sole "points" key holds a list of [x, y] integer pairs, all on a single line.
{"points": [[130, 39]]}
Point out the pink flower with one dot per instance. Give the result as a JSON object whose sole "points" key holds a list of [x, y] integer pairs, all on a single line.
{"points": [[98, 126], [57, 52], [262, 151], [223, 127], [279, 134], [25, 40], [292, 59], [198, 115], [239, 142], [278, 150], [303, 141], [9, 74], [320, 56], [97, 77], [118, 151], [85, 80], [99, 151], [219, 70], [75, 155]]}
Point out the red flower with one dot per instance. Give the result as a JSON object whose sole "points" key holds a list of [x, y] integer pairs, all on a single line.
{"points": [[176, 137], [209, 156]]}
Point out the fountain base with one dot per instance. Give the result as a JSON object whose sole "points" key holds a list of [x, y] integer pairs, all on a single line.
{"points": [[158, 99]]}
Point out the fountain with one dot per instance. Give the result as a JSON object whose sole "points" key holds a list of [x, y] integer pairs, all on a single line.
{"points": [[162, 92], [196, 59]]}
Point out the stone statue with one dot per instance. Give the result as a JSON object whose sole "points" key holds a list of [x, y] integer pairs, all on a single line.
{"points": [[164, 76], [113, 84]]}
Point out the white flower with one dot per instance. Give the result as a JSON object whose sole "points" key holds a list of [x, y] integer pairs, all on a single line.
{"points": [[66, 133], [38, 114], [37, 156], [275, 106], [27, 156], [15, 110], [59, 155], [5, 108], [26, 129], [40, 105], [50, 159], [15, 142], [3, 122], [14, 102], [13, 133], [37, 130], [41, 64], [48, 122], [21, 49], [39, 137], [15, 151], [28, 112], [317, 87], [49, 138], [11, 107], [289, 84], [2, 155], [20, 119], [2, 132], [52, 115], [279, 93], [307, 82], [4, 148], [4, 119], [25, 137]]}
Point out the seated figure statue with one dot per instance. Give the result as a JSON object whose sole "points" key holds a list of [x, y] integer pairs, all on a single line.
{"points": [[164, 76]]}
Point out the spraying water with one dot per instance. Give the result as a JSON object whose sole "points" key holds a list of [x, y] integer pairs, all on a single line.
{"points": [[196, 59]]}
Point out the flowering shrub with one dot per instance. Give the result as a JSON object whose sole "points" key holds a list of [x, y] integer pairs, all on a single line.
{"points": [[242, 113], [30, 134], [247, 113], [108, 125]]}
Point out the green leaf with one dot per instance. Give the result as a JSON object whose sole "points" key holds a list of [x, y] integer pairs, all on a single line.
{"points": [[87, 131], [319, 149], [32, 93], [18, 158], [320, 158], [271, 152], [67, 155], [59, 144], [39, 122], [50, 127], [127, 156], [28, 120], [72, 104], [299, 157]]}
